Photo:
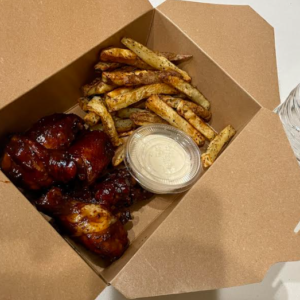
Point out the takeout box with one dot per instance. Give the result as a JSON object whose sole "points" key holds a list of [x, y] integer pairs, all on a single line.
{"points": [[236, 221]]}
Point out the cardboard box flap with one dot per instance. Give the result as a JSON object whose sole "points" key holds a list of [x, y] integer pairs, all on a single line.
{"points": [[237, 39], [35, 261], [41, 37], [228, 230]]}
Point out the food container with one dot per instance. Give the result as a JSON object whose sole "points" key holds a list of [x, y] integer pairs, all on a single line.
{"points": [[235, 222], [163, 159]]}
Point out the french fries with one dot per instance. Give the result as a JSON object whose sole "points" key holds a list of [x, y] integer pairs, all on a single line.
{"points": [[127, 133], [119, 155], [187, 89], [194, 120], [83, 102], [197, 109], [123, 56], [126, 112], [97, 106], [97, 87], [119, 91], [145, 117], [138, 94], [151, 58], [90, 118], [134, 78], [121, 125], [173, 57], [102, 66], [155, 104], [216, 145]]}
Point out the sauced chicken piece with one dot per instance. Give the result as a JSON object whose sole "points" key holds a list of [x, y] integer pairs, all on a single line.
{"points": [[119, 189], [56, 131], [92, 153], [93, 225], [30, 165]]}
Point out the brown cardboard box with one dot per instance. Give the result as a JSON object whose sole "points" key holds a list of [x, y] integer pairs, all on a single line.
{"points": [[230, 227]]}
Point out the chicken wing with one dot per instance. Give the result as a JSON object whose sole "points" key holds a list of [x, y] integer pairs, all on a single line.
{"points": [[93, 225]]}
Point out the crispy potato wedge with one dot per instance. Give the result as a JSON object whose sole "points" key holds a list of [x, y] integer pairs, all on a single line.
{"points": [[83, 102], [126, 112], [97, 87], [173, 57], [187, 89], [138, 94], [197, 109], [125, 134], [97, 106], [91, 119], [119, 91], [216, 145], [121, 125], [138, 77], [155, 104], [195, 121], [123, 56], [119, 155], [145, 117], [124, 125], [140, 104], [102, 66], [152, 59]]}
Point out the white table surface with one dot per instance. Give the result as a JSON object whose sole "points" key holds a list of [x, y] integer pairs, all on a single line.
{"points": [[282, 282]]}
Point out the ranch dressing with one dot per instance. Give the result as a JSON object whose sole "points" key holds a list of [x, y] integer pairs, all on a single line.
{"points": [[161, 159]]}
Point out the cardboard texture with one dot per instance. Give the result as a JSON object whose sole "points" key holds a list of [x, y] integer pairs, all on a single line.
{"points": [[229, 228], [239, 40]]}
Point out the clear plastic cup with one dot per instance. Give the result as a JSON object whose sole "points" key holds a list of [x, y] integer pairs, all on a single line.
{"points": [[163, 159], [289, 113]]}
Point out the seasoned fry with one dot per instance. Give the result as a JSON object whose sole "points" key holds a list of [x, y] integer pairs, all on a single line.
{"points": [[97, 106], [121, 125], [102, 66], [123, 56], [97, 87], [119, 91], [152, 59], [194, 120], [134, 78], [140, 104], [173, 57], [145, 117], [216, 145], [125, 134], [124, 125], [197, 109], [137, 94], [119, 155], [187, 89], [91, 119], [83, 102], [159, 107], [126, 112]]}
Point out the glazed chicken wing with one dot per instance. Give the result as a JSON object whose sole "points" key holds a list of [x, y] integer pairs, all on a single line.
{"points": [[119, 189], [92, 225], [30, 165], [56, 150], [92, 153], [56, 131]]}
